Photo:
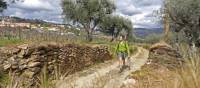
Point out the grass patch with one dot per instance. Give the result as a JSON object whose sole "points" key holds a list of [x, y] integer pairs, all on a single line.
{"points": [[12, 41], [4, 79]]}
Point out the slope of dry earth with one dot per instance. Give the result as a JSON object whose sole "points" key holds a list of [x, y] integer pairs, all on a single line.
{"points": [[105, 75]]}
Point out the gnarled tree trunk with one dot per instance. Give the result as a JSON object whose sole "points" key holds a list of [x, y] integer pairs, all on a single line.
{"points": [[166, 25], [89, 36]]}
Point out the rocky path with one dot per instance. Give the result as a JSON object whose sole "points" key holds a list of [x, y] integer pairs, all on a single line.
{"points": [[104, 75]]}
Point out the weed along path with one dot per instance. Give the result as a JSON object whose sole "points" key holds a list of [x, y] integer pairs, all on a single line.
{"points": [[105, 75]]}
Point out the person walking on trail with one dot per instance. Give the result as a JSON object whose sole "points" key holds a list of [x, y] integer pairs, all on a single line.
{"points": [[122, 51]]}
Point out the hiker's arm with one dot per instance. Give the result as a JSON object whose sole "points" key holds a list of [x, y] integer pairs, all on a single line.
{"points": [[128, 50], [116, 48]]}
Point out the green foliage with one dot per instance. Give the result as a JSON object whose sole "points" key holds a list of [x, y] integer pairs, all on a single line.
{"points": [[133, 49], [3, 5], [44, 80], [153, 38], [4, 79], [46, 25], [150, 39], [185, 16], [88, 13], [116, 25], [7, 80], [4, 41], [75, 31], [85, 11]]}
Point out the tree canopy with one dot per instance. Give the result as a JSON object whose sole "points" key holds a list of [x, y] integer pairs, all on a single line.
{"points": [[88, 13], [185, 16], [116, 25], [3, 5]]}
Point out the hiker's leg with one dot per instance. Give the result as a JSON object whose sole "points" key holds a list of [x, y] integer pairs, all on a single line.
{"points": [[124, 58], [124, 62], [120, 59]]}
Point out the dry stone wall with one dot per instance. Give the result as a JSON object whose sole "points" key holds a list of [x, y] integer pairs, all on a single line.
{"points": [[27, 61]]}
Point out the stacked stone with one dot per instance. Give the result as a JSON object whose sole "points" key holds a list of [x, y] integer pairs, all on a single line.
{"points": [[166, 56], [27, 61], [79, 57]]}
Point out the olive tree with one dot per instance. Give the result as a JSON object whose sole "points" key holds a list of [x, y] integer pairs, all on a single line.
{"points": [[116, 25], [3, 5], [184, 15], [87, 13]]}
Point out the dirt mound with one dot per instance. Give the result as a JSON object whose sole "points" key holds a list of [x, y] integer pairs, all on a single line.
{"points": [[27, 61], [164, 49], [153, 76], [160, 44], [162, 61], [164, 54]]}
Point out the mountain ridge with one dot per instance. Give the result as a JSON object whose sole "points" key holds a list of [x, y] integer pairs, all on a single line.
{"points": [[142, 32]]}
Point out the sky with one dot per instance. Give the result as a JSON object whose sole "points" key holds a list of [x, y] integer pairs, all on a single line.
{"points": [[140, 12]]}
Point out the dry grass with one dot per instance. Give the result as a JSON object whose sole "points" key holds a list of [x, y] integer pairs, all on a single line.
{"points": [[158, 76], [151, 76], [189, 75]]}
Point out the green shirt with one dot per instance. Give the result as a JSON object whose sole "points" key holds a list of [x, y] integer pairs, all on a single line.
{"points": [[122, 47]]}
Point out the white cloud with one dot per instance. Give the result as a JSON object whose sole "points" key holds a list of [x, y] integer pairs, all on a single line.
{"points": [[34, 5], [18, 14], [139, 11], [49, 10]]}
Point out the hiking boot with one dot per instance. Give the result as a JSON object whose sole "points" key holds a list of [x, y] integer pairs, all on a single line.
{"points": [[118, 66], [129, 67], [121, 70]]}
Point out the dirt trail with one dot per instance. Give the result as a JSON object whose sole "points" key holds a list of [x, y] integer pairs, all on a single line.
{"points": [[104, 75]]}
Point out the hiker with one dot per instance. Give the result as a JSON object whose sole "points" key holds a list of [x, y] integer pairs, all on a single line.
{"points": [[122, 51]]}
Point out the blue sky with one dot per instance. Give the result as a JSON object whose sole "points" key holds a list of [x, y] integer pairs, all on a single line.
{"points": [[140, 12]]}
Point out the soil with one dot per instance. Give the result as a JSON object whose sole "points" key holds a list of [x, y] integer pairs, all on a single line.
{"points": [[104, 75]]}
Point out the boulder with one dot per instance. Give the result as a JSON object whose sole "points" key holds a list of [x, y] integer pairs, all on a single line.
{"points": [[28, 74], [9, 50], [35, 70], [163, 48], [160, 44], [23, 47], [7, 66], [34, 64], [14, 66], [22, 67]]}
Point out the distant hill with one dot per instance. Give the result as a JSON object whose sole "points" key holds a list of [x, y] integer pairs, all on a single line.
{"points": [[142, 32], [23, 20]]}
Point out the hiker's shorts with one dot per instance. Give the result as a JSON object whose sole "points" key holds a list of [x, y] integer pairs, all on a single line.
{"points": [[122, 55]]}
